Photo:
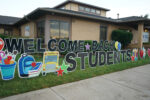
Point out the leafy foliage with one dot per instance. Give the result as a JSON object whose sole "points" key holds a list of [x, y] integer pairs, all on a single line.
{"points": [[122, 36]]}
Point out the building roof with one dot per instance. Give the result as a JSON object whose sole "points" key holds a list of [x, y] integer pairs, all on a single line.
{"points": [[132, 18], [42, 11], [7, 20], [69, 13], [81, 3]]}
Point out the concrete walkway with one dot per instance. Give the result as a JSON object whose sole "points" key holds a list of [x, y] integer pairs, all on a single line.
{"points": [[131, 84]]}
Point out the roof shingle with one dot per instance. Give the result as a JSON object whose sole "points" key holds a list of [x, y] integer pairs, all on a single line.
{"points": [[7, 20]]}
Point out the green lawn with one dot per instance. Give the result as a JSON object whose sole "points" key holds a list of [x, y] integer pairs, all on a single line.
{"points": [[18, 85]]}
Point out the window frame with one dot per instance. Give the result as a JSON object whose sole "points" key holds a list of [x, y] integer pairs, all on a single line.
{"points": [[61, 21], [88, 8], [39, 34], [94, 10], [25, 30], [106, 34]]}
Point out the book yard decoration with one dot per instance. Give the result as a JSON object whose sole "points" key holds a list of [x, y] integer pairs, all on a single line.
{"points": [[104, 53]]}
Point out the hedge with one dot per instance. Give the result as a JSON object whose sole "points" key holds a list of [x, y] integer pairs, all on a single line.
{"points": [[122, 36]]}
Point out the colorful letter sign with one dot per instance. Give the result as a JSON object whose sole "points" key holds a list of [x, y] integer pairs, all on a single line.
{"points": [[104, 53]]}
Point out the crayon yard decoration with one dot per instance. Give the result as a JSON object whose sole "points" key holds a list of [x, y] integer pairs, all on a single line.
{"points": [[27, 67]]}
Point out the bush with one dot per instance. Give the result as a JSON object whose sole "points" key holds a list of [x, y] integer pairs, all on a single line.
{"points": [[3, 36], [122, 36]]}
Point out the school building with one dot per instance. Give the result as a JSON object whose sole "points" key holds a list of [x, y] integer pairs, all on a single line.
{"points": [[75, 20]]}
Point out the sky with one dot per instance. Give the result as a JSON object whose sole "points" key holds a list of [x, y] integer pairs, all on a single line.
{"points": [[125, 8]]}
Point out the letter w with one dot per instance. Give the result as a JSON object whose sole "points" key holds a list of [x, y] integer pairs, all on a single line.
{"points": [[13, 44]]}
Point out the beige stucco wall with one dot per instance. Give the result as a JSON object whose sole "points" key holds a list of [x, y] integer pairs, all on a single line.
{"points": [[32, 26], [111, 27], [85, 30], [75, 7], [68, 6], [103, 13], [72, 6], [16, 31], [1, 30], [81, 29]]}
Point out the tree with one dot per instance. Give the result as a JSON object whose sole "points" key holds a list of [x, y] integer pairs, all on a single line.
{"points": [[146, 16]]}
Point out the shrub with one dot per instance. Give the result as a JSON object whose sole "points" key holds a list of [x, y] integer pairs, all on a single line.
{"points": [[3, 36], [122, 36]]}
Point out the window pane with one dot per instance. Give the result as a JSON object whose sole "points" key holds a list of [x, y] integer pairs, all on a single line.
{"points": [[27, 30], [64, 30], [81, 8], [93, 10], [40, 29], [87, 9], [59, 30], [103, 33], [54, 29], [98, 12]]}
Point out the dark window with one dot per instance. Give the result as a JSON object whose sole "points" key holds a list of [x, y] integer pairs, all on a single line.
{"points": [[103, 33], [59, 29], [40, 29]]}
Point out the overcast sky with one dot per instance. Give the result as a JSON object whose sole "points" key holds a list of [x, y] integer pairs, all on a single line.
{"points": [[19, 8]]}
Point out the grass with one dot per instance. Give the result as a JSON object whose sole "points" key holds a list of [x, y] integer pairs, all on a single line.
{"points": [[18, 85]]}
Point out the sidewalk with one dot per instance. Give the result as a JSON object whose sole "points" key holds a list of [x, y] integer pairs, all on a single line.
{"points": [[131, 84]]}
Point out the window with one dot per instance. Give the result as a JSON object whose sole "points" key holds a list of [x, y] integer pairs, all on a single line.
{"points": [[27, 30], [40, 29], [93, 10], [59, 30], [64, 30], [103, 33], [98, 12], [81, 8], [87, 9], [54, 29]]}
